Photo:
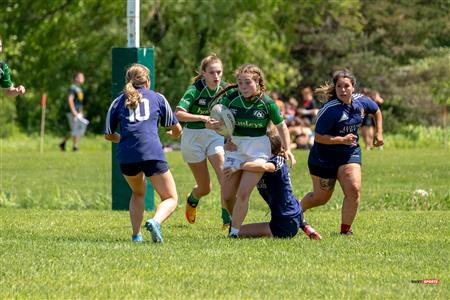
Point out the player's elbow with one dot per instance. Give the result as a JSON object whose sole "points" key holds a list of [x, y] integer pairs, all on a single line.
{"points": [[268, 167]]}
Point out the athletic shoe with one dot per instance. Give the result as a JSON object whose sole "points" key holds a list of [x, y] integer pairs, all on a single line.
{"points": [[190, 212], [75, 148], [137, 238], [311, 233], [233, 236], [347, 233], [226, 227], [155, 230], [62, 146]]}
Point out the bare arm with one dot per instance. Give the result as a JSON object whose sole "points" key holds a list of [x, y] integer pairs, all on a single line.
{"points": [[114, 137], [14, 91], [286, 141], [184, 116], [349, 139], [379, 129], [258, 167], [70, 101]]}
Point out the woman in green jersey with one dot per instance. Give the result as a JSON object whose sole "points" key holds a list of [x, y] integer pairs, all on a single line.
{"points": [[199, 140], [253, 111]]}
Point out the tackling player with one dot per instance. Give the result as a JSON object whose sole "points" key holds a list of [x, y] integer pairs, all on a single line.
{"points": [[275, 188]]}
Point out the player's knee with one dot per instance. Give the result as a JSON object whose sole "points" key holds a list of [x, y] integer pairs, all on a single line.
{"points": [[322, 199], [139, 194], [242, 196]]}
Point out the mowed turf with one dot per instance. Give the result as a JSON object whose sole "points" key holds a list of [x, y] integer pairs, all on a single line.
{"points": [[88, 254], [400, 237]]}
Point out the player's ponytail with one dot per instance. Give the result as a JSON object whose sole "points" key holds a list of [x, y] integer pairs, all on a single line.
{"points": [[328, 90], [275, 144], [217, 97], [137, 76]]}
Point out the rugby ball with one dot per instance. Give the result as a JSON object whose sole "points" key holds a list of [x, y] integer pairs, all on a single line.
{"points": [[222, 113]]}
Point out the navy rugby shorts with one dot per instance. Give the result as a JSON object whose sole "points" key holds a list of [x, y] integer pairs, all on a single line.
{"points": [[149, 167], [328, 168], [286, 227]]}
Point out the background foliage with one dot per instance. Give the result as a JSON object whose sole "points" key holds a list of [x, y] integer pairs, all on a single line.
{"points": [[400, 48]]}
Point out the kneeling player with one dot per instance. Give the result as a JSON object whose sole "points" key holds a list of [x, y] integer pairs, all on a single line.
{"points": [[275, 188]]}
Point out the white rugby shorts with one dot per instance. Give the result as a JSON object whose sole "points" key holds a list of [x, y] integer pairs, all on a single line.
{"points": [[249, 149], [197, 144]]}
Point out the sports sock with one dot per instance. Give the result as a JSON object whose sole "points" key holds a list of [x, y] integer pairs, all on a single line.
{"points": [[345, 228], [234, 231], [226, 216], [192, 201]]}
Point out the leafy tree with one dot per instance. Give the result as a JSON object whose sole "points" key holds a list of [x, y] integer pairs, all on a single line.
{"points": [[400, 48]]}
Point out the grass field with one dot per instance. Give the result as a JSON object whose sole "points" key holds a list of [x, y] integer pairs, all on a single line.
{"points": [[48, 251]]}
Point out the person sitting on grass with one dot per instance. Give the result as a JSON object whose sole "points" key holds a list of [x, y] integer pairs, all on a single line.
{"points": [[275, 188]]}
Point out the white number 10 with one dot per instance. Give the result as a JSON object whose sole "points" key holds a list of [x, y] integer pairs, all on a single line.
{"points": [[137, 114]]}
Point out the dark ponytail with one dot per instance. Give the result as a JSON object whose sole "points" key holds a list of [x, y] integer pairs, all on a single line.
{"points": [[219, 95]]}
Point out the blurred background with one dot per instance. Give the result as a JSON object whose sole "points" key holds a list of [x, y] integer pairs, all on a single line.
{"points": [[399, 48]]}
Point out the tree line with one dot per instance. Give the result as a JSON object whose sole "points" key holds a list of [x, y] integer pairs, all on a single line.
{"points": [[400, 48]]}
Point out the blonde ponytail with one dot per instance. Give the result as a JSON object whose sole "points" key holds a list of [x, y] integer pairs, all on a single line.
{"points": [[136, 77], [133, 96]]}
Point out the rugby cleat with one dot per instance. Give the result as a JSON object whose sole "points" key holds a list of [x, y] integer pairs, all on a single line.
{"points": [[137, 238], [347, 233], [190, 212], [226, 227], [312, 233], [155, 230], [233, 236]]}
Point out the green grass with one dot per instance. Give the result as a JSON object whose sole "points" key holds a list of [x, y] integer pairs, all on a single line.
{"points": [[69, 244], [82, 180], [88, 254]]}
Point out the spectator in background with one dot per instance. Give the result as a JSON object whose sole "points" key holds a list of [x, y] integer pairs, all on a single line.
{"points": [[291, 111], [278, 102], [368, 124], [300, 129], [309, 107], [75, 113], [5, 80]]}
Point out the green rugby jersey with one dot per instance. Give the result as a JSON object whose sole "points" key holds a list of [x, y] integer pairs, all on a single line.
{"points": [[196, 100], [252, 116], [5, 78]]}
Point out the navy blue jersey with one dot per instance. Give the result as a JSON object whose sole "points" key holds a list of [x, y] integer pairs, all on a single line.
{"points": [[276, 190], [139, 139], [336, 118]]}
